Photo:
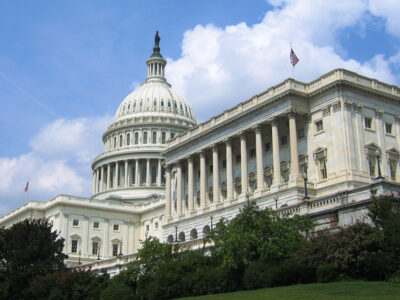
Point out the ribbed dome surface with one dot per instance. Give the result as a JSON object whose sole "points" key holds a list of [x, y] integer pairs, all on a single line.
{"points": [[154, 96]]}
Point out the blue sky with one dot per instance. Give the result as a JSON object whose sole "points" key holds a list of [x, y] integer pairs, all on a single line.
{"points": [[66, 66]]}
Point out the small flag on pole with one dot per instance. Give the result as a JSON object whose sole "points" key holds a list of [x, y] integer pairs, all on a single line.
{"points": [[293, 58], [26, 187]]}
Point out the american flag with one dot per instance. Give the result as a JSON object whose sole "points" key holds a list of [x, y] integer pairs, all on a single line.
{"points": [[27, 186], [293, 58]]}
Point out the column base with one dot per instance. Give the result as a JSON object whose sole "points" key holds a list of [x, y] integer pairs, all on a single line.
{"points": [[275, 186], [258, 192], [243, 197]]}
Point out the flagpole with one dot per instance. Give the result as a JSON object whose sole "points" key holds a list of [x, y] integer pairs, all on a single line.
{"points": [[293, 71]]}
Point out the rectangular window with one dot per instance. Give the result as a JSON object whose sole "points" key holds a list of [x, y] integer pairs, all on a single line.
{"points": [[115, 249], [211, 169], [267, 147], [154, 137], [388, 128], [300, 133], [285, 176], [163, 138], [319, 126], [95, 247], [156, 225], [392, 168], [74, 246], [322, 168], [371, 164], [75, 222], [252, 153], [96, 225], [172, 135], [153, 174], [147, 227], [238, 158], [284, 140], [116, 227], [368, 123], [145, 137]]}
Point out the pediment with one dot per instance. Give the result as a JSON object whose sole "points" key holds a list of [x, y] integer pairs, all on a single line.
{"points": [[372, 149]]}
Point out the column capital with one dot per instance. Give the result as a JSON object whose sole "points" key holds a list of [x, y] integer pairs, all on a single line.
{"points": [[242, 135], [337, 106], [202, 153], [228, 141], [273, 121], [214, 147], [257, 128], [357, 107], [190, 158], [347, 105], [378, 114], [326, 111], [291, 113], [167, 168]]}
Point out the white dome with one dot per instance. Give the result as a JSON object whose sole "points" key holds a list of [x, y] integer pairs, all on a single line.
{"points": [[154, 96]]}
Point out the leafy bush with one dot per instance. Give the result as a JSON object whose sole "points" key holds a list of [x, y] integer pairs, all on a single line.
{"points": [[117, 290], [327, 273]]}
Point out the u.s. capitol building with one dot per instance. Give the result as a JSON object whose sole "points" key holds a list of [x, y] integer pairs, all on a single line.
{"points": [[315, 148]]}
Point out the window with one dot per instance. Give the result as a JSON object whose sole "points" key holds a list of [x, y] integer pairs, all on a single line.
{"points": [[145, 137], [162, 175], [120, 140], [74, 246], [238, 158], [147, 227], [162, 103], [322, 169], [115, 249], [392, 168], [75, 222], [163, 137], [372, 166], [284, 140], [128, 139], [300, 133], [156, 225], [267, 147], [388, 128], [95, 247], [136, 138], [285, 176], [172, 135], [252, 152], [154, 137], [116, 227], [153, 174], [96, 225], [368, 123], [319, 126], [115, 142]]}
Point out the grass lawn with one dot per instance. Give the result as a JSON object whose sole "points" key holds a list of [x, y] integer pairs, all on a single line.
{"points": [[346, 290]]}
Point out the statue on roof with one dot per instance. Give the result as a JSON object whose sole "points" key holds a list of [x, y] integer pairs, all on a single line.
{"points": [[157, 39]]}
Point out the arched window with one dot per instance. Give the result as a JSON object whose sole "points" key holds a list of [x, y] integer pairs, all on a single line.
{"points": [[170, 239], [193, 234], [155, 103], [163, 137], [115, 142], [206, 230], [181, 236], [162, 103], [120, 140], [145, 137], [136, 138], [128, 139], [154, 137], [169, 104]]}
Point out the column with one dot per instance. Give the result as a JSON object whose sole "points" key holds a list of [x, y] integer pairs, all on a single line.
{"points": [[294, 156], [380, 130], [129, 173], [97, 180], [102, 179], [108, 176], [190, 184], [179, 189], [215, 174], [168, 192], [243, 164], [126, 174], [159, 172], [259, 159], [362, 165], [116, 175], [94, 182], [137, 183], [105, 245], [229, 171], [202, 179], [148, 177], [275, 153]]}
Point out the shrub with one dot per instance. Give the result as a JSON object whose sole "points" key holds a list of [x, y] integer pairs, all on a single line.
{"points": [[117, 290], [327, 273]]}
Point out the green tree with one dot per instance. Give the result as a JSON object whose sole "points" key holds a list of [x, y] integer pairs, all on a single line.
{"points": [[256, 234], [27, 249]]}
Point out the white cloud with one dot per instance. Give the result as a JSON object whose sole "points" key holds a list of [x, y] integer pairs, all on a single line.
{"points": [[390, 11], [58, 163], [220, 67]]}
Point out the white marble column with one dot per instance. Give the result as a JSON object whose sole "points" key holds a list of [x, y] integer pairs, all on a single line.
{"points": [[294, 156], [108, 176], [168, 192], [116, 175], [106, 242], [159, 172], [275, 153], [97, 180], [137, 183], [102, 179], [243, 165], [229, 171], [215, 174], [126, 174], [203, 184], [148, 174], [259, 159], [94, 182], [179, 189], [381, 142], [190, 184], [361, 157]]}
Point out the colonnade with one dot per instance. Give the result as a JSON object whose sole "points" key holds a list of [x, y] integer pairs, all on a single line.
{"points": [[216, 184], [127, 173]]}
